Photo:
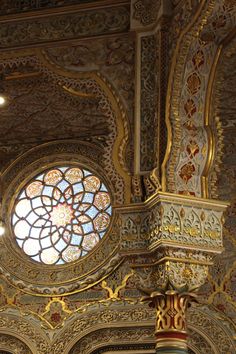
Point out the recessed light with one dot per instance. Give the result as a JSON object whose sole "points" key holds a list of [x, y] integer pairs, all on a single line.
{"points": [[2, 100], [2, 228]]}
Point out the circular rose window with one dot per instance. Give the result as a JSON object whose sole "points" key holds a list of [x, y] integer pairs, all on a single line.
{"points": [[61, 214]]}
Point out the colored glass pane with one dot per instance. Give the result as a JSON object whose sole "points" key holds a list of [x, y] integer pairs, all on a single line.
{"points": [[61, 215]]}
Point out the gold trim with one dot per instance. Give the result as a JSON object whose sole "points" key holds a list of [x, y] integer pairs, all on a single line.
{"points": [[207, 125], [114, 295], [24, 290], [178, 199], [172, 259]]}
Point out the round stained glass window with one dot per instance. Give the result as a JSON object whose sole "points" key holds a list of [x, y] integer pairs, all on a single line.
{"points": [[61, 214]]}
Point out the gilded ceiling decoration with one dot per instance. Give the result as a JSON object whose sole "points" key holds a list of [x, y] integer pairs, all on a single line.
{"points": [[36, 100], [84, 130], [48, 101], [114, 59]]}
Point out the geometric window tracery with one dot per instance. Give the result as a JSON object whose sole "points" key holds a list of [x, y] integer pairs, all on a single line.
{"points": [[61, 215]]}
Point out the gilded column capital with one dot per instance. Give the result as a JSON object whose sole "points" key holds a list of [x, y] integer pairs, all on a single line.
{"points": [[171, 328], [170, 241]]}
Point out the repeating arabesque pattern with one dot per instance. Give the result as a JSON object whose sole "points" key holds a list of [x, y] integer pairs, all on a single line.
{"points": [[13, 344], [82, 332], [193, 82], [78, 24]]}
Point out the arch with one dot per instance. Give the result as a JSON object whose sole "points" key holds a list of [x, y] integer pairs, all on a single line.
{"points": [[187, 163], [19, 333], [10, 344], [120, 325], [84, 87]]}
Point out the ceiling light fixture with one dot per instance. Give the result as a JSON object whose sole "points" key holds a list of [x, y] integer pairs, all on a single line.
{"points": [[2, 228], [2, 100]]}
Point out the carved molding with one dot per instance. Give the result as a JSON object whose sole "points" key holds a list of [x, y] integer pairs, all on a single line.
{"points": [[12, 344], [19, 333], [64, 27], [118, 319], [169, 217], [103, 325], [12, 7]]}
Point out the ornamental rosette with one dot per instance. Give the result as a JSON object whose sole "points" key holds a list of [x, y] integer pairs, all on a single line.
{"points": [[61, 215]]}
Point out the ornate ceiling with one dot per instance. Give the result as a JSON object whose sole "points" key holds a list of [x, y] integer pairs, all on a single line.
{"points": [[142, 92]]}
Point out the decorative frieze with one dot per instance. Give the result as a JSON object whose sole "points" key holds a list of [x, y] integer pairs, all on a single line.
{"points": [[196, 223], [19, 6], [64, 27]]}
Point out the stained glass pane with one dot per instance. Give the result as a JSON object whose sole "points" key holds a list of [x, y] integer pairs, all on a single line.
{"points": [[61, 215]]}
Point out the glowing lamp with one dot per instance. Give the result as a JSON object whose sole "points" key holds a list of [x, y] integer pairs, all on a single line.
{"points": [[2, 228], [2, 100]]}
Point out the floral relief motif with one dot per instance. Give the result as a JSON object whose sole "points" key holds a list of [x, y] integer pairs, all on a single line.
{"points": [[61, 215], [187, 171], [190, 107], [193, 149], [193, 83], [199, 57]]}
